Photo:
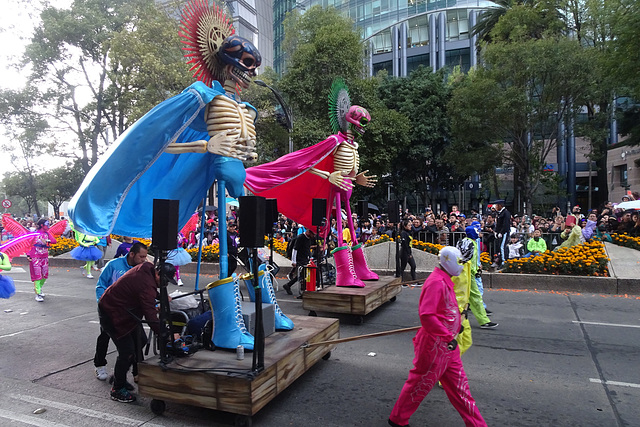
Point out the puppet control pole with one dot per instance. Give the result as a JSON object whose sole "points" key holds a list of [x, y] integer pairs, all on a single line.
{"points": [[202, 224]]}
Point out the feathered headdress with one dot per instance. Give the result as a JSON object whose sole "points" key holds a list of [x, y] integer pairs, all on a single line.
{"points": [[203, 29], [339, 104]]}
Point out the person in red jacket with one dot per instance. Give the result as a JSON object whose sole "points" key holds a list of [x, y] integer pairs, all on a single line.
{"points": [[437, 355], [132, 297]]}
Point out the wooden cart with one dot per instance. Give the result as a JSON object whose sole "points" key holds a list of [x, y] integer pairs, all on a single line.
{"points": [[216, 380], [355, 301]]}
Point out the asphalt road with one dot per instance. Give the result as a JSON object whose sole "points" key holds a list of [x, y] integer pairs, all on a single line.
{"points": [[557, 359]]}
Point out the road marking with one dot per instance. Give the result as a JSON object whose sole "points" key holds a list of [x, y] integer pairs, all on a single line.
{"points": [[15, 270], [45, 325], [26, 419], [599, 381], [620, 325], [49, 293], [84, 412]]}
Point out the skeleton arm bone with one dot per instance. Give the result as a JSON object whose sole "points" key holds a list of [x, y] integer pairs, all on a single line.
{"points": [[337, 178], [366, 180]]}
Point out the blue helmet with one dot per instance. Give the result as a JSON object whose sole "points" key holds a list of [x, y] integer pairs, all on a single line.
{"points": [[472, 232]]}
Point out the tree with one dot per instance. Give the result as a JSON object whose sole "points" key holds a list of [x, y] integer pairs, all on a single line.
{"points": [[96, 66], [24, 185], [533, 80], [421, 97], [60, 184]]}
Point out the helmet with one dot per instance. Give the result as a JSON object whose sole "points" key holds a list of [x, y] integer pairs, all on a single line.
{"points": [[450, 258]]}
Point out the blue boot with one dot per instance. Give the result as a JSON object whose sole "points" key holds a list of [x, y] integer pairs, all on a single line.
{"points": [[283, 323], [229, 330]]}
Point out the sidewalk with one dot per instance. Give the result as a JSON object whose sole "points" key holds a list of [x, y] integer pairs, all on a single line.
{"points": [[624, 262]]}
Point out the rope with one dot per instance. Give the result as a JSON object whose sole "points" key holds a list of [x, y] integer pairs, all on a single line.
{"points": [[362, 337]]}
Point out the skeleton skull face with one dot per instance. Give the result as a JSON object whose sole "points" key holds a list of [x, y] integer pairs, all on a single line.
{"points": [[241, 59], [358, 117]]}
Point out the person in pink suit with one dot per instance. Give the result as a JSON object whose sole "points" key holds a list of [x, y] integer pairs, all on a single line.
{"points": [[39, 258], [437, 356]]}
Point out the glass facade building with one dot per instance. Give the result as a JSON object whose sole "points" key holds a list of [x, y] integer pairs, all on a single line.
{"points": [[435, 33]]}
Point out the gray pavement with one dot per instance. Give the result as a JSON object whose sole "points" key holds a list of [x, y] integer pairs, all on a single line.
{"points": [[557, 359], [624, 262]]}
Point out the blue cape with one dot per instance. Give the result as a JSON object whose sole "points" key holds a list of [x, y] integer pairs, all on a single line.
{"points": [[117, 194]]}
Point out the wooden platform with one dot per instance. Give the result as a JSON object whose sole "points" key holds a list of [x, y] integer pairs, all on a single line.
{"points": [[355, 301], [193, 381]]}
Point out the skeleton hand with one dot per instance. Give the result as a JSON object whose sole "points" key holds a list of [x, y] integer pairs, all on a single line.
{"points": [[238, 148], [366, 180], [341, 181]]}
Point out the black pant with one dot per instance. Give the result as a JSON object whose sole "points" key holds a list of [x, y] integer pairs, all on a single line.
{"points": [[296, 276], [403, 264], [102, 346]]}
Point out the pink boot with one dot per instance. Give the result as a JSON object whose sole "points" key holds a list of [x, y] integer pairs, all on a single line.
{"points": [[345, 273], [360, 264]]}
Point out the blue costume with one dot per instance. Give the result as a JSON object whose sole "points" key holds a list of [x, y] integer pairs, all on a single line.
{"points": [[117, 194]]}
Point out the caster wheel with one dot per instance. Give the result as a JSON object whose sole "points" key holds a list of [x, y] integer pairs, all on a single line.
{"points": [[313, 314], [243, 421], [358, 320], [158, 406], [326, 356], [393, 299]]}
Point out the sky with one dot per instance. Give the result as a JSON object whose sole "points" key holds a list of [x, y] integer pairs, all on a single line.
{"points": [[17, 21]]}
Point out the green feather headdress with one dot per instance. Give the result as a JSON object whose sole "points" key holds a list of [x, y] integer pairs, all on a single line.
{"points": [[339, 104]]}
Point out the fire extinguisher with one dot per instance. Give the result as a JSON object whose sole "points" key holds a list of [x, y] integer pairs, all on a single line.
{"points": [[311, 276]]}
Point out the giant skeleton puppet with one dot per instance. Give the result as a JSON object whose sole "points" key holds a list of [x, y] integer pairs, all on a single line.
{"points": [[327, 170], [179, 148]]}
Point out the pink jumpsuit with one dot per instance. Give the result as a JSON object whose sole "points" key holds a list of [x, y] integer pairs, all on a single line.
{"points": [[440, 319]]}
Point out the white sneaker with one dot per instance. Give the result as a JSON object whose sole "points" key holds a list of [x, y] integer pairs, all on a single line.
{"points": [[101, 373], [89, 276], [83, 271], [95, 268], [39, 298], [180, 282]]}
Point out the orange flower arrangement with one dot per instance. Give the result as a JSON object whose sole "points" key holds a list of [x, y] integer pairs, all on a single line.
{"points": [[587, 259], [626, 241]]}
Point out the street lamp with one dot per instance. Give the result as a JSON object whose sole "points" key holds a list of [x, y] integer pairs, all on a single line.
{"points": [[285, 108]]}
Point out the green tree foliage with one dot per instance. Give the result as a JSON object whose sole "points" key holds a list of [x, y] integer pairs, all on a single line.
{"points": [[531, 75], [25, 186], [422, 98], [99, 64], [58, 185]]}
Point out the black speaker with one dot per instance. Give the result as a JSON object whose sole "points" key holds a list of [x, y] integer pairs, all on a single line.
{"points": [[271, 214], [252, 213], [363, 209], [393, 210], [165, 224], [318, 212]]}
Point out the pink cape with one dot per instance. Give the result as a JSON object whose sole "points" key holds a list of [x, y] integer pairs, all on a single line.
{"points": [[289, 180]]}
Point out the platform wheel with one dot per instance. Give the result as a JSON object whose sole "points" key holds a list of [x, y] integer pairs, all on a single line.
{"points": [[313, 314], [358, 320], [393, 298], [243, 421], [326, 356], [158, 406]]}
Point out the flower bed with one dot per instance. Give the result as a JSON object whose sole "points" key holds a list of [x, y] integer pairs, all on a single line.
{"points": [[210, 253], [626, 241], [587, 259], [61, 246], [426, 247], [485, 259]]}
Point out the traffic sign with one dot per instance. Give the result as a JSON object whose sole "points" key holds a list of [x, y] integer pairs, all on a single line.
{"points": [[6, 203]]}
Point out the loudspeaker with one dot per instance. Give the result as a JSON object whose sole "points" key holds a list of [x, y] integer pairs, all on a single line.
{"points": [[252, 214], [271, 214], [393, 210], [318, 212], [363, 209], [165, 224]]}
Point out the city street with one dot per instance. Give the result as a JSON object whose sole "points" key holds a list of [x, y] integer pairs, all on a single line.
{"points": [[557, 359]]}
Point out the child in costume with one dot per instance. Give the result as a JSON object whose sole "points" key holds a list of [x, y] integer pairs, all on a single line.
{"points": [[179, 256], [7, 287], [437, 356], [39, 258], [87, 251]]}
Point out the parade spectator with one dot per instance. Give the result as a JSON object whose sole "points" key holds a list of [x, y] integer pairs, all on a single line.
{"points": [[417, 226], [536, 245], [626, 224], [125, 246], [442, 232], [589, 229], [515, 248], [300, 257]]}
